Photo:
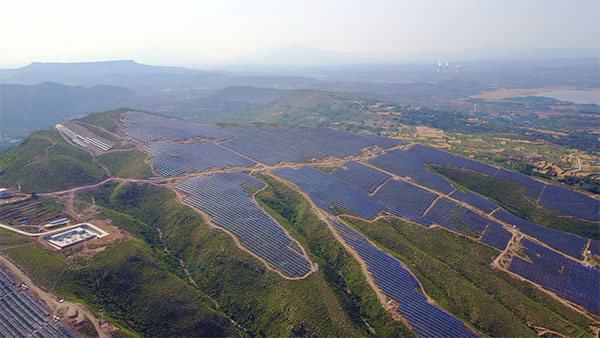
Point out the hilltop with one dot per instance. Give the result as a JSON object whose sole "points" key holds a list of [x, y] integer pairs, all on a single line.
{"points": [[143, 193]]}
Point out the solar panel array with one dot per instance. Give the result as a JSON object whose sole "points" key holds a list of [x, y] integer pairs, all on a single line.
{"points": [[412, 162], [475, 200], [263, 143], [564, 242], [398, 162], [457, 218], [361, 175], [563, 276], [397, 283], [227, 202], [406, 196], [83, 137], [496, 236], [570, 202], [172, 159], [429, 154], [272, 145], [594, 247], [533, 188], [148, 127], [22, 316], [463, 162], [327, 191], [434, 181]]}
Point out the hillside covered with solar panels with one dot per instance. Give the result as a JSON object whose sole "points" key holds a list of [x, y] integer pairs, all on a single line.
{"points": [[284, 230]]}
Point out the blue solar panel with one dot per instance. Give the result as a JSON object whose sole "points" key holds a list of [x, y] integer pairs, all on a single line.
{"points": [[172, 159], [594, 247], [570, 202], [475, 200], [21, 315], [360, 175], [460, 161], [533, 188], [227, 202], [328, 191], [567, 243], [147, 127], [397, 283], [563, 276], [496, 236], [457, 218], [398, 162], [406, 196], [429, 154], [431, 180]]}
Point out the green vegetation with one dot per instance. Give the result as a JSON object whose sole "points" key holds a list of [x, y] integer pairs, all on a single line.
{"points": [[35, 210], [339, 268], [12, 241], [46, 162], [41, 265], [127, 164], [105, 119], [88, 329], [331, 302], [133, 284], [327, 170], [509, 195], [456, 273]]}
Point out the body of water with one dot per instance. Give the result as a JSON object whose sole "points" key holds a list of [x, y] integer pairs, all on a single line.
{"points": [[575, 96]]}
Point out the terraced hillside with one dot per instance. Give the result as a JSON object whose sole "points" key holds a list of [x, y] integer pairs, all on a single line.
{"points": [[282, 248]]}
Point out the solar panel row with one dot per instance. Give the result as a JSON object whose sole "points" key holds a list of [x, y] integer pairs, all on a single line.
{"points": [[172, 159], [147, 127], [412, 162], [22, 316], [563, 276], [328, 191], [223, 197], [404, 195], [564, 242], [496, 236], [533, 188], [475, 200], [570, 202], [264, 143], [361, 175], [397, 283], [457, 218]]}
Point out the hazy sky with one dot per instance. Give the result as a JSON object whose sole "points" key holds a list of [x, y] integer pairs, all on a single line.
{"points": [[218, 31]]}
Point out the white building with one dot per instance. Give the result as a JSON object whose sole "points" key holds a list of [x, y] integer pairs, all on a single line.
{"points": [[4, 193]]}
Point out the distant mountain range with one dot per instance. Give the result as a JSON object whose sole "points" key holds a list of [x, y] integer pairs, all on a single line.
{"points": [[26, 108]]}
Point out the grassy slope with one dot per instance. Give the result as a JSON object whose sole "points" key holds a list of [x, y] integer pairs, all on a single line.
{"points": [[509, 195], [455, 271], [340, 269], [255, 297], [63, 166], [137, 289], [104, 119], [127, 164]]}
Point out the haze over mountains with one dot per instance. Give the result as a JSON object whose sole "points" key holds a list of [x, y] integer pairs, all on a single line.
{"points": [[41, 94]]}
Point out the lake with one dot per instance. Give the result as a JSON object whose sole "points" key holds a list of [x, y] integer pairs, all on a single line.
{"points": [[576, 96]]}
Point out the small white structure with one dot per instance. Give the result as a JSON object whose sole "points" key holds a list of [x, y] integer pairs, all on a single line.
{"points": [[4, 193], [77, 234]]}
